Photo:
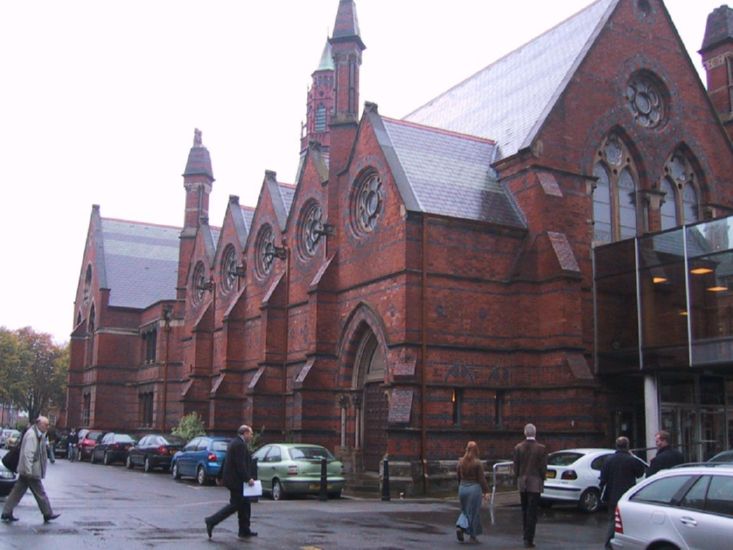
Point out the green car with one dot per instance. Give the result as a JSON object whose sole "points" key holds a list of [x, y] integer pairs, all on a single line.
{"points": [[295, 469]]}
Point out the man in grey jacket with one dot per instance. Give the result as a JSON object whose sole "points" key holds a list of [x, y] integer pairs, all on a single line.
{"points": [[31, 470]]}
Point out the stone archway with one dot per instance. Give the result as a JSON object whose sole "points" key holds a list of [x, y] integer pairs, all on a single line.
{"points": [[370, 401]]}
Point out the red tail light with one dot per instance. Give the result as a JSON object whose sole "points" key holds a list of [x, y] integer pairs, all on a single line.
{"points": [[162, 450], [618, 524], [569, 474], [212, 457]]}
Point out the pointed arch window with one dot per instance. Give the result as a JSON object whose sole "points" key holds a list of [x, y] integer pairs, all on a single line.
{"points": [[615, 212], [680, 187]]}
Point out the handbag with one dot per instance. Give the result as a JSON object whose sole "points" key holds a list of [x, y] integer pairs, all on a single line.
{"points": [[11, 458], [462, 521]]}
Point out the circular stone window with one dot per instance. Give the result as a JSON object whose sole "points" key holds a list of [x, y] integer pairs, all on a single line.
{"points": [[199, 283], [311, 229], [228, 269], [645, 96], [368, 203], [264, 251]]}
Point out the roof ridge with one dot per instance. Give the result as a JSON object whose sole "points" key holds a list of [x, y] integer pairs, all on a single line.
{"points": [[439, 130]]}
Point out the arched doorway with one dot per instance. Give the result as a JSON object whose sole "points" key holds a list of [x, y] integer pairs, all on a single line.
{"points": [[370, 401]]}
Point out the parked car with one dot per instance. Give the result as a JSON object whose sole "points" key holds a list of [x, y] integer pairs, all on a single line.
{"points": [[573, 475], [87, 441], [683, 507], [13, 439], [7, 478], [725, 456], [61, 445], [154, 451], [202, 458], [295, 468], [112, 447]]}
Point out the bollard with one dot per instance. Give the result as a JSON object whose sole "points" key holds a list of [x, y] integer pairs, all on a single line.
{"points": [[323, 493], [385, 480]]}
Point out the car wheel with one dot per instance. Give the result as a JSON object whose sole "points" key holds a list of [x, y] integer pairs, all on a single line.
{"points": [[105, 459], [128, 463], [201, 476], [334, 494], [590, 500], [175, 474], [666, 547], [277, 490], [92, 460], [147, 467]]}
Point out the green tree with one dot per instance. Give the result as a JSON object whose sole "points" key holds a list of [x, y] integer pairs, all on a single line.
{"points": [[190, 426], [33, 370]]}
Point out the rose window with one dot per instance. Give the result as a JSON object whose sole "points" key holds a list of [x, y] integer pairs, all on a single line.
{"points": [[368, 203], [646, 101]]}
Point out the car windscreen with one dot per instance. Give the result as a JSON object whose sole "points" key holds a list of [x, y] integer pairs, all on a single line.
{"points": [[310, 453], [219, 446], [563, 458], [94, 436], [123, 438], [173, 440]]}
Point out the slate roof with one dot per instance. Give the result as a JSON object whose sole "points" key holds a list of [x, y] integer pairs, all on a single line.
{"points": [[248, 214], [509, 100], [141, 262], [445, 173], [287, 192]]}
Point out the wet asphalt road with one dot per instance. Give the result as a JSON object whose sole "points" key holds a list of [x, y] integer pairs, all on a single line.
{"points": [[112, 508]]}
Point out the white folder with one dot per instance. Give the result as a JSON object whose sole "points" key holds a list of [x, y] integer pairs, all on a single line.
{"points": [[253, 490]]}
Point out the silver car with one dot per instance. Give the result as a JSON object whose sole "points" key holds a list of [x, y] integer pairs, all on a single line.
{"points": [[690, 507]]}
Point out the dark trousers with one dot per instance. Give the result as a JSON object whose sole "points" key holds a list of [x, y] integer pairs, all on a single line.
{"points": [[530, 503], [238, 504], [611, 524]]}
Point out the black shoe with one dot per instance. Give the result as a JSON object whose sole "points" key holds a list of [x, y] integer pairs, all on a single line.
{"points": [[528, 544], [209, 527], [247, 534], [459, 534], [46, 519], [8, 518]]}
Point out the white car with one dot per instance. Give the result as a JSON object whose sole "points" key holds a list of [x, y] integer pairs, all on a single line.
{"points": [[573, 475], [689, 507]]}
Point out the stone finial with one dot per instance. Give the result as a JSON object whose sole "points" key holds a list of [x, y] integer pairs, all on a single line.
{"points": [[197, 138]]}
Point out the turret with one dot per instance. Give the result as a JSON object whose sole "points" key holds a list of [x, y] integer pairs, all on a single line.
{"points": [[320, 103], [717, 58], [198, 178]]}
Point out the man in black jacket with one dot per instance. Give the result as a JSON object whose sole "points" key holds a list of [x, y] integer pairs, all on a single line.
{"points": [[618, 475], [238, 470], [667, 456]]}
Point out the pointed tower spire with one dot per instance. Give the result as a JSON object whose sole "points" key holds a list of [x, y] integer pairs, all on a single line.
{"points": [[319, 107], [347, 47], [198, 179]]}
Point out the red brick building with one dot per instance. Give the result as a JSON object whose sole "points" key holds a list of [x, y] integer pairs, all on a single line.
{"points": [[424, 281]]}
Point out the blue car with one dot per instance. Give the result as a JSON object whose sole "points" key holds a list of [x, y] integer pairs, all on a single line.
{"points": [[201, 458]]}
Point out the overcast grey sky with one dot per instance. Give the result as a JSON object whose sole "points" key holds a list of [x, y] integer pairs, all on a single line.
{"points": [[100, 99]]}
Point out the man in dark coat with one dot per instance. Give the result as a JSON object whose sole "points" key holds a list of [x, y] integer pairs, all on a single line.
{"points": [[238, 470], [667, 456], [618, 475], [530, 467]]}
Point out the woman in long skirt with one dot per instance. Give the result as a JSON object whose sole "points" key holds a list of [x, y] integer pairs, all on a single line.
{"points": [[472, 484]]}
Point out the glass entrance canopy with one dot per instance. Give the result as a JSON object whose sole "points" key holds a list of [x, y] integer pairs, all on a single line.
{"points": [[664, 301]]}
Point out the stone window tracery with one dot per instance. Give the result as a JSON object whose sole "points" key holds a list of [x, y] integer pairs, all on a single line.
{"points": [[679, 184], [264, 250], [615, 212], [646, 98], [198, 283], [228, 274], [367, 203], [312, 229]]}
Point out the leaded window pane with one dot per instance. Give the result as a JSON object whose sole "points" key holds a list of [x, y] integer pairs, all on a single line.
{"points": [[627, 204], [602, 205], [669, 205], [690, 206]]}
